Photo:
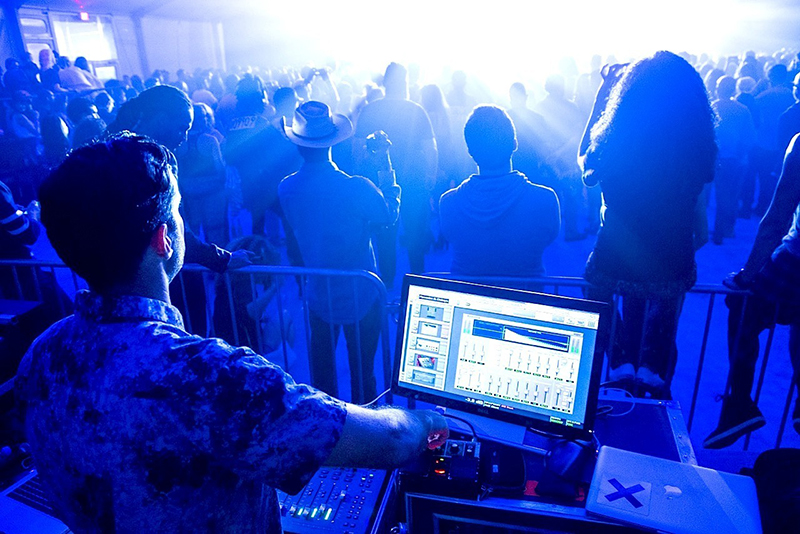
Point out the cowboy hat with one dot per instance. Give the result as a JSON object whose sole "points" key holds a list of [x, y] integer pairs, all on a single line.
{"points": [[314, 126]]}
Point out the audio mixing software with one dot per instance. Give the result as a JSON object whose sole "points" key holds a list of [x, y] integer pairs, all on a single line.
{"points": [[501, 354]]}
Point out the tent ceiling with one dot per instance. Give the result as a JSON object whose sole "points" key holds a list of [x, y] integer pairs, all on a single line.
{"points": [[211, 10]]}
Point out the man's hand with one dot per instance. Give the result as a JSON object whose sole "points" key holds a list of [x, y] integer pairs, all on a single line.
{"points": [[737, 281], [34, 211], [378, 145], [436, 429], [241, 258], [387, 437]]}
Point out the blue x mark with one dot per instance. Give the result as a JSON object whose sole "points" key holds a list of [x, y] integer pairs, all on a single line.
{"points": [[627, 493]]}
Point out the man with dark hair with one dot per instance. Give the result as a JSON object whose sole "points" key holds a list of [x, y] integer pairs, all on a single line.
{"points": [[414, 157], [333, 215], [260, 153], [497, 222], [165, 115], [162, 113], [136, 425]]}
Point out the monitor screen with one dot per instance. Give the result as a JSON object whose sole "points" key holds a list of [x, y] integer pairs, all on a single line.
{"points": [[508, 354]]}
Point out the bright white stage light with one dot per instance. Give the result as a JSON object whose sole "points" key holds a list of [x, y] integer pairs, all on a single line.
{"points": [[502, 40]]}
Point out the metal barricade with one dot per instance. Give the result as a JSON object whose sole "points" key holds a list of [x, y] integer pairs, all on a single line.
{"points": [[35, 279], [285, 290], [573, 286], [283, 295]]}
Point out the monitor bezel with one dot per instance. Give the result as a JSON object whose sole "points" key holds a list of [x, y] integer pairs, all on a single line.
{"points": [[601, 308]]}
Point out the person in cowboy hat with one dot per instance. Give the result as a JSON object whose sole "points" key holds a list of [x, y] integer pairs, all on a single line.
{"points": [[333, 216]]}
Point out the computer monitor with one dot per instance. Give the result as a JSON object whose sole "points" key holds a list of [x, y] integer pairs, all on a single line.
{"points": [[506, 354]]}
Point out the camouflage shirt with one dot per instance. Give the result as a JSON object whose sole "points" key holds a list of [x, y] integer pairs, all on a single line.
{"points": [[137, 426]]}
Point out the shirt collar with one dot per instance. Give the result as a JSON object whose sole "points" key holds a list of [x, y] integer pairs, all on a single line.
{"points": [[127, 308]]}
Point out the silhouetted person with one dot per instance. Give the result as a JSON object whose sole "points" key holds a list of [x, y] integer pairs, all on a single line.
{"points": [[566, 124], [87, 125], [24, 120], [432, 101], [14, 79], [74, 78], [789, 122], [202, 178], [461, 104], [49, 71], [497, 222], [735, 138], [415, 160], [652, 151], [54, 128], [258, 152], [165, 114], [83, 64], [771, 105], [770, 273], [19, 230], [332, 215], [587, 86], [533, 139]]}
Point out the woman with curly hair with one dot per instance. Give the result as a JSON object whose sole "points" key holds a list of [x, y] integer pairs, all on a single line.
{"points": [[650, 146]]}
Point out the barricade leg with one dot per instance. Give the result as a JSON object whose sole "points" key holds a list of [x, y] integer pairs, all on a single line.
{"points": [[701, 360]]}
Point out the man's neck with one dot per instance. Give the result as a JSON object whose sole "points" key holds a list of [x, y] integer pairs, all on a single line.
{"points": [[318, 155], [495, 170], [156, 289], [396, 94]]}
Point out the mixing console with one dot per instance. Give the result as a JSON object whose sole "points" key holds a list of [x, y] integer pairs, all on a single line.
{"points": [[338, 499]]}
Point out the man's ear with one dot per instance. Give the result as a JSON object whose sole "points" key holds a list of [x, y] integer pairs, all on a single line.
{"points": [[161, 242]]}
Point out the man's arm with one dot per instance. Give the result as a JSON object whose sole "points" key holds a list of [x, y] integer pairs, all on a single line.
{"points": [[384, 177], [213, 257], [778, 218], [264, 426], [206, 254], [21, 226], [551, 214], [386, 438]]}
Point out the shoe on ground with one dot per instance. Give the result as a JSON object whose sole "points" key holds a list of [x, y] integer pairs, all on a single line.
{"points": [[738, 417], [623, 372], [649, 378]]}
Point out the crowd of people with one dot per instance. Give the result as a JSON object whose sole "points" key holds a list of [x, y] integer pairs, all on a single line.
{"points": [[341, 173]]}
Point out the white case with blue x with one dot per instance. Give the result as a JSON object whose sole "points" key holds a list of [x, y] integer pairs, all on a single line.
{"points": [[671, 496]]}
